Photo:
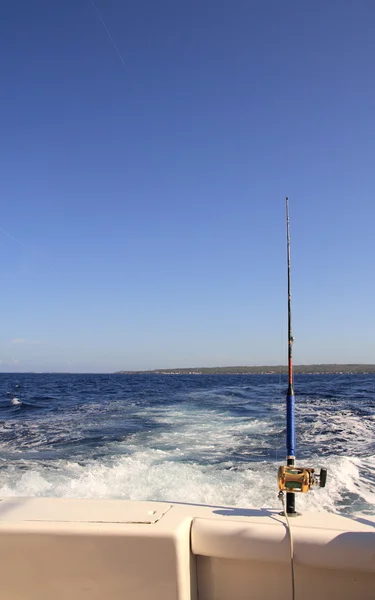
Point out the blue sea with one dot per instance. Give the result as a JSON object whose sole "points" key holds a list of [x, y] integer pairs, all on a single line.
{"points": [[215, 439]]}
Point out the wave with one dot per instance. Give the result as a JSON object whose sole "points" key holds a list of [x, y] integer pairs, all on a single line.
{"points": [[150, 475]]}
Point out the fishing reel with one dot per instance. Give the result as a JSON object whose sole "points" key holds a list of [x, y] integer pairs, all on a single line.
{"points": [[297, 479]]}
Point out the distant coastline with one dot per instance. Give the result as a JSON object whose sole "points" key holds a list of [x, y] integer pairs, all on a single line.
{"points": [[263, 370]]}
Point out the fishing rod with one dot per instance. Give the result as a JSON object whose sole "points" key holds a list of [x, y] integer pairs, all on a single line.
{"points": [[294, 479], [290, 424]]}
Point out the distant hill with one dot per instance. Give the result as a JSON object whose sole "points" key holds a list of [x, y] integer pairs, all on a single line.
{"points": [[299, 369]]}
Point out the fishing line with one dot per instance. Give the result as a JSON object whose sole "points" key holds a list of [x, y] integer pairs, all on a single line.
{"points": [[291, 545], [115, 45]]}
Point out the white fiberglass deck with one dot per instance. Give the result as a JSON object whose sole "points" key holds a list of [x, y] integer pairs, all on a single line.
{"points": [[60, 549]]}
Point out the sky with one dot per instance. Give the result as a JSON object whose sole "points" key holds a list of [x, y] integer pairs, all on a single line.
{"points": [[146, 150]]}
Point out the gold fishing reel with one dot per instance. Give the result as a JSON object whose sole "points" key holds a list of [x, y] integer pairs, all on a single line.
{"points": [[297, 479]]}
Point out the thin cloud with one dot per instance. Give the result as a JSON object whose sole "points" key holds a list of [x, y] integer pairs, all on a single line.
{"points": [[23, 341]]}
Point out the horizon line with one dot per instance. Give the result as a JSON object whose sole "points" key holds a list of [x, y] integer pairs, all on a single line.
{"points": [[130, 371]]}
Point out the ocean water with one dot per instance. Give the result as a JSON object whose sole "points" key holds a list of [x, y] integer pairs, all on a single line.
{"points": [[214, 439]]}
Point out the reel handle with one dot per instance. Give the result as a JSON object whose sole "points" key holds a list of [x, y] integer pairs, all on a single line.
{"points": [[322, 477]]}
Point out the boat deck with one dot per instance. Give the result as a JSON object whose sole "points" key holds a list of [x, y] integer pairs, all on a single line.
{"points": [[60, 549]]}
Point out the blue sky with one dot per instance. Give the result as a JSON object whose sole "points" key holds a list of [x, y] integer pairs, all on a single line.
{"points": [[145, 159]]}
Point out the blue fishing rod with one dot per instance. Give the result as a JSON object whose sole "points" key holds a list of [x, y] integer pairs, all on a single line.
{"points": [[294, 479]]}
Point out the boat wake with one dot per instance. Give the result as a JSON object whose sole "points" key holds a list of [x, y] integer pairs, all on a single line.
{"points": [[204, 440]]}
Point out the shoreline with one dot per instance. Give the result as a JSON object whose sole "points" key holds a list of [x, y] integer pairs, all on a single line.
{"points": [[321, 369]]}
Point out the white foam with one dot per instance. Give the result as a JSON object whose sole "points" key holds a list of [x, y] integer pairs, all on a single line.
{"points": [[149, 475], [201, 434]]}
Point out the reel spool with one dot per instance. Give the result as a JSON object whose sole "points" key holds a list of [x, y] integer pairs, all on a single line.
{"points": [[297, 479]]}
